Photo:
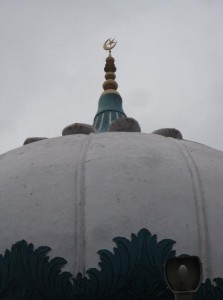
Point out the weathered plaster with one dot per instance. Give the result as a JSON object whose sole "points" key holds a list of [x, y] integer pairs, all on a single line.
{"points": [[76, 193]]}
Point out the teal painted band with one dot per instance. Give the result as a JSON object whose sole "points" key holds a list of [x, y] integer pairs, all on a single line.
{"points": [[110, 102], [103, 120]]}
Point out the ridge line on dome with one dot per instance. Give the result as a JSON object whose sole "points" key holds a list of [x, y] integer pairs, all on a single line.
{"points": [[200, 211], [80, 228]]}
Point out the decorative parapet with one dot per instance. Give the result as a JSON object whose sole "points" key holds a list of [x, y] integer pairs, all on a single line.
{"points": [[134, 271]]}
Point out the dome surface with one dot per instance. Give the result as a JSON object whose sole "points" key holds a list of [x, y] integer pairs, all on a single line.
{"points": [[76, 193]]}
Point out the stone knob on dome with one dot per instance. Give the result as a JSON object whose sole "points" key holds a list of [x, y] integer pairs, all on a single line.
{"points": [[125, 124], [169, 132], [78, 128], [33, 139]]}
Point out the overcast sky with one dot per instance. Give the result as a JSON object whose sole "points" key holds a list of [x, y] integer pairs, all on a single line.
{"points": [[168, 58]]}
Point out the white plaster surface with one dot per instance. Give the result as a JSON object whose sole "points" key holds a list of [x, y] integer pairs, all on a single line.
{"points": [[76, 193]]}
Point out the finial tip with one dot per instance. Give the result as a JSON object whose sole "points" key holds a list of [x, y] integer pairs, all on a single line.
{"points": [[109, 44]]}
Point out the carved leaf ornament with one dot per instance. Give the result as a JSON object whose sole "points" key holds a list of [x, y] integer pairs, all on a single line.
{"points": [[134, 271]]}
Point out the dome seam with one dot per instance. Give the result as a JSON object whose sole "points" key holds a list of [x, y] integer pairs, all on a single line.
{"points": [[80, 226], [200, 208]]}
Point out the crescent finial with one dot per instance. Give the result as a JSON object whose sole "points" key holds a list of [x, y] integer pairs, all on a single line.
{"points": [[109, 44]]}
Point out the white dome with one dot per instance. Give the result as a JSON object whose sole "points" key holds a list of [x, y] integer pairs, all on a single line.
{"points": [[76, 193]]}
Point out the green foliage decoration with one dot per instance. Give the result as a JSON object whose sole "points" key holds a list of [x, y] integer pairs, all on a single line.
{"points": [[134, 271]]}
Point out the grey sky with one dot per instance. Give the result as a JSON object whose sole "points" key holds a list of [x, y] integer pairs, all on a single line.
{"points": [[168, 58]]}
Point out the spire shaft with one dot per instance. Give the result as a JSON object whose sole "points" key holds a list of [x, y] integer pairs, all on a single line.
{"points": [[110, 102]]}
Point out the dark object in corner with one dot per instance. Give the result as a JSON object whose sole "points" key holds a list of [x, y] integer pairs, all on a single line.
{"points": [[169, 132], [125, 124], [33, 139], [78, 128]]}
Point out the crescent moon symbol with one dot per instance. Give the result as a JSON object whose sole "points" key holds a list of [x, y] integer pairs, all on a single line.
{"points": [[109, 44]]}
